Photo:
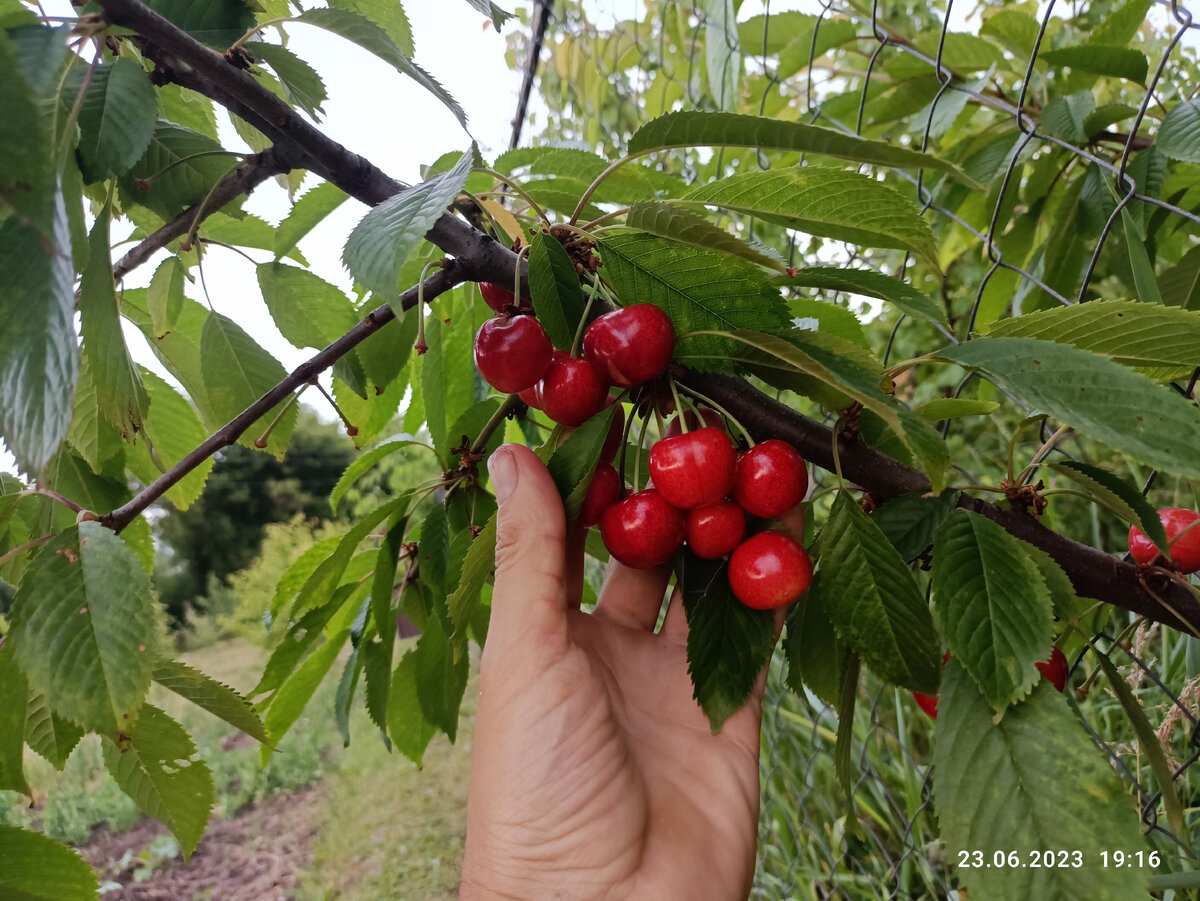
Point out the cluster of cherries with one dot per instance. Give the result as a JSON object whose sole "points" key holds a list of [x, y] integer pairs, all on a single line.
{"points": [[702, 487], [1183, 532]]}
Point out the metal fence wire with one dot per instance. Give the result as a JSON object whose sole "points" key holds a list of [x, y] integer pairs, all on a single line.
{"points": [[809, 846]]}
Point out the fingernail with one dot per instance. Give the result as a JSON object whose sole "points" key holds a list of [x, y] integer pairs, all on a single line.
{"points": [[503, 470]]}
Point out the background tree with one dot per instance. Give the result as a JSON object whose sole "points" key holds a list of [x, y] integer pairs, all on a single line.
{"points": [[996, 190]]}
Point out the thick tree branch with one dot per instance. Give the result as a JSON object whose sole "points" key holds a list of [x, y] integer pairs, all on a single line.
{"points": [[242, 180], [438, 283], [1094, 573]]}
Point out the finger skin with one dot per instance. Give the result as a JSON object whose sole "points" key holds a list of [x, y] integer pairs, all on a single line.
{"points": [[633, 597]]}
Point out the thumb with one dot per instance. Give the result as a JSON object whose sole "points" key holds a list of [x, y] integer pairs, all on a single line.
{"points": [[530, 591]]}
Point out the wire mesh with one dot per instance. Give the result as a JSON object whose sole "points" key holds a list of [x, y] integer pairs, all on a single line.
{"points": [[808, 844]]}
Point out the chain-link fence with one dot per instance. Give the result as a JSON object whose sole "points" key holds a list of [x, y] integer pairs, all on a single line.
{"points": [[902, 72]]}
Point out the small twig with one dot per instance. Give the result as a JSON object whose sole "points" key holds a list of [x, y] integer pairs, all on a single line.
{"points": [[489, 428], [54, 495]]}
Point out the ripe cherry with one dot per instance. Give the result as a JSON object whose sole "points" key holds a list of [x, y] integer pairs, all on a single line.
{"points": [[643, 530], [694, 470], [631, 345], [616, 431], [1055, 669], [1185, 552], [716, 530], [707, 418], [769, 570], [771, 478], [512, 352], [602, 493], [499, 299], [572, 391], [533, 395], [927, 703]]}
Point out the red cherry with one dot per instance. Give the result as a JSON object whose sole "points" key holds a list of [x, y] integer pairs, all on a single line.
{"points": [[631, 345], [533, 396], [499, 299], [1185, 553], [1055, 669], [572, 391], [926, 703], [707, 418], [643, 530], [602, 493], [769, 570], [616, 431], [512, 352], [693, 470], [771, 479], [715, 531]]}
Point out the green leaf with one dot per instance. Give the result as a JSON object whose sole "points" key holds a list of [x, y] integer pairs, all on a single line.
{"points": [[910, 520], [48, 734], [667, 220], [554, 288], [814, 652], [699, 290], [1118, 496], [1179, 134], [369, 36], [383, 239], [388, 15], [869, 283], [377, 652], [293, 695], [827, 203], [1125, 410], [385, 353], [116, 118], [954, 407], [574, 461], [408, 728], [1121, 24], [299, 572], [217, 23], [703, 129], [447, 381], [828, 318], [1144, 281], [308, 311], [1148, 743], [1064, 117], [39, 354], [26, 173], [307, 212], [1180, 285], [722, 56], [156, 763], [302, 86], [874, 602], [207, 693], [174, 175], [441, 679], [237, 372], [299, 638], [498, 17], [84, 627], [37, 868], [1159, 342], [164, 300], [821, 357], [477, 566], [992, 605], [364, 463], [93, 436], [1032, 782], [728, 644], [1095, 59], [119, 391], [174, 430], [14, 698]]}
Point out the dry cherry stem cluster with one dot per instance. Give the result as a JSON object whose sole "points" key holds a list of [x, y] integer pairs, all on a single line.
{"points": [[478, 257]]}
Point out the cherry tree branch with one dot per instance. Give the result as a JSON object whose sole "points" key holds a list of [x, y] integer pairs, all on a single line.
{"points": [[438, 283]]}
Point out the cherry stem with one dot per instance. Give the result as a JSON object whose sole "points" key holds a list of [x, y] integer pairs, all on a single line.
{"points": [[583, 320], [261, 441], [837, 460], [154, 457], [637, 461], [591, 189], [504, 179], [590, 225], [350, 427], [53, 495], [1043, 452], [679, 410], [625, 443], [420, 347], [724, 412], [523, 252], [489, 428]]}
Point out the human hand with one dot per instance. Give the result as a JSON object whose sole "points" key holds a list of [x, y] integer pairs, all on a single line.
{"points": [[594, 772]]}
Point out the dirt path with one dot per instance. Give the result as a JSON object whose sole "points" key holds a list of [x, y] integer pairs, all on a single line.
{"points": [[256, 856]]}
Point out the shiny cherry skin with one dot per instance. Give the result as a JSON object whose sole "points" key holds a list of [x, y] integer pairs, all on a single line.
{"points": [[694, 470], [716, 530], [927, 703], [512, 352], [572, 391], [771, 479], [1055, 669], [532, 396], [612, 441], [643, 530], [499, 299], [707, 418], [604, 491], [769, 570], [631, 345], [1185, 553]]}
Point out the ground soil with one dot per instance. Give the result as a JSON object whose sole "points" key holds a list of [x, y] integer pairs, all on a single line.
{"points": [[255, 856]]}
